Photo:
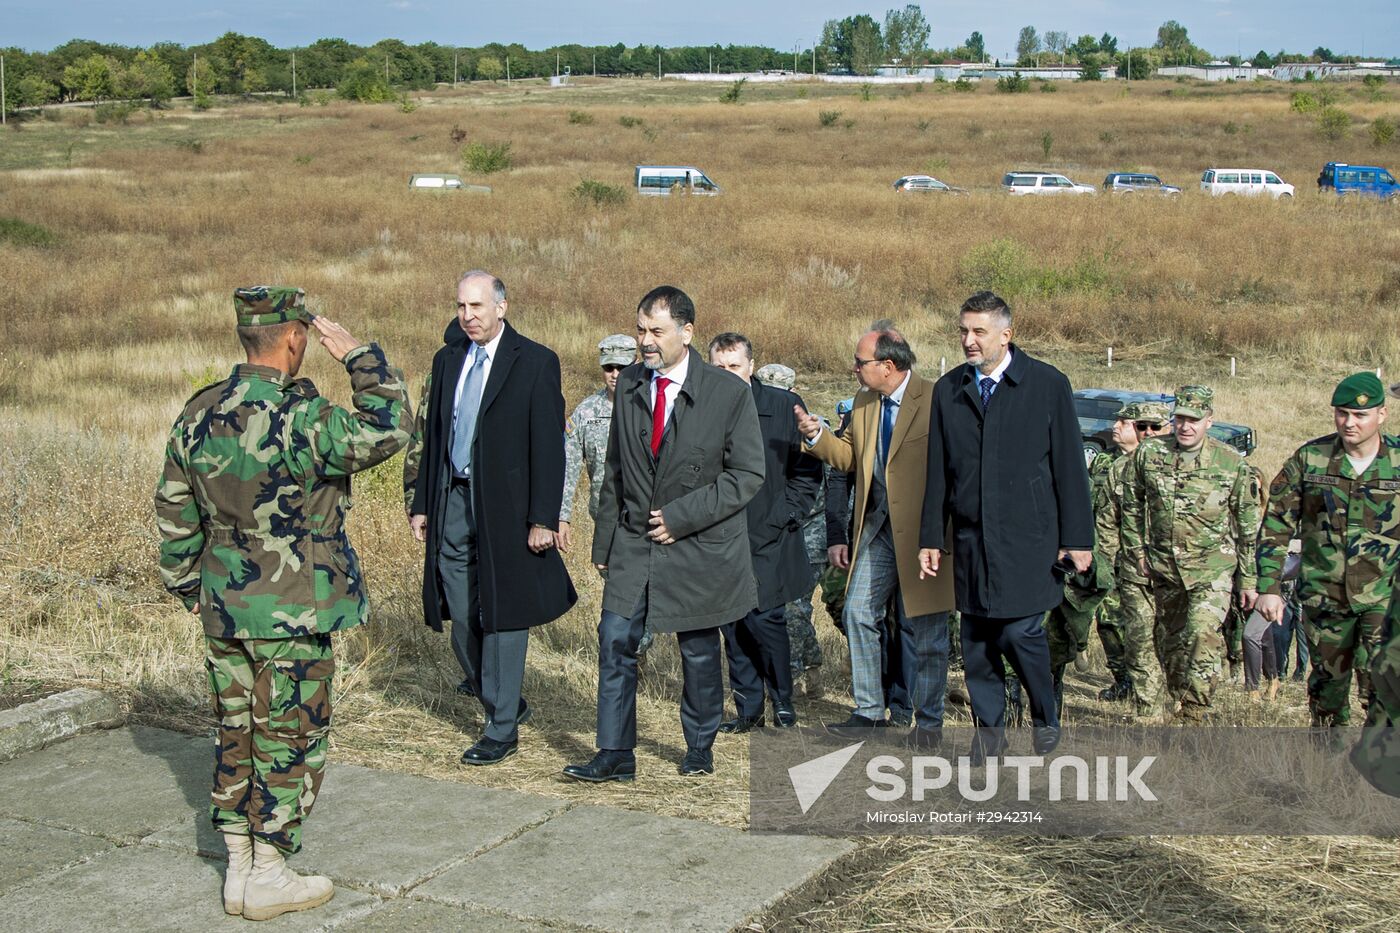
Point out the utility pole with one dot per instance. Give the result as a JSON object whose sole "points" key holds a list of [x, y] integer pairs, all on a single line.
{"points": [[294, 74], [386, 69], [794, 58], [556, 64], [814, 59], [658, 63], [507, 71], [194, 85], [454, 69], [2, 89], [595, 64]]}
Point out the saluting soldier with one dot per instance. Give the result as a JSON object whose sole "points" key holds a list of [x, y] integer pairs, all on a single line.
{"points": [[1190, 520], [251, 508], [1338, 495]]}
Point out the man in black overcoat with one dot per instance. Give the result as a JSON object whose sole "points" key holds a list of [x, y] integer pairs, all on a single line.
{"points": [[483, 482], [1006, 462], [760, 656]]}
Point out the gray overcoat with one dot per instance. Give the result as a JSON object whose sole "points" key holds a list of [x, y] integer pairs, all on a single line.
{"points": [[710, 466]]}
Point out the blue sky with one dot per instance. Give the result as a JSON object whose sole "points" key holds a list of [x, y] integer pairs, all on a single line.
{"points": [[1371, 27]]}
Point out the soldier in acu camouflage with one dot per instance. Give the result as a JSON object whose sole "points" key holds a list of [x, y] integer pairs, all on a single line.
{"points": [[251, 508], [1338, 494], [586, 442], [1190, 511], [802, 634]]}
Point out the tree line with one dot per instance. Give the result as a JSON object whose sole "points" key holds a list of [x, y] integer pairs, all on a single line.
{"points": [[84, 70]]}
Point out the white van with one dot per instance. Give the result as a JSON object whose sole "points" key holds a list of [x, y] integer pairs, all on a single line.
{"points": [[1218, 181], [662, 179]]}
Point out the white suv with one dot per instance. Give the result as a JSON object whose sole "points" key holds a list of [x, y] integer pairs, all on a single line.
{"points": [[1043, 183]]}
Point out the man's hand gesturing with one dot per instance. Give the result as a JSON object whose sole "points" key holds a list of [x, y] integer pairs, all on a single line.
{"points": [[807, 423]]}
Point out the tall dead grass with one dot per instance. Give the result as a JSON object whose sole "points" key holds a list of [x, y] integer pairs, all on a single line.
{"points": [[105, 333]]}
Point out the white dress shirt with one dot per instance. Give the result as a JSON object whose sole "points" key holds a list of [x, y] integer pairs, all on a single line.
{"points": [[996, 374], [490, 350], [677, 376]]}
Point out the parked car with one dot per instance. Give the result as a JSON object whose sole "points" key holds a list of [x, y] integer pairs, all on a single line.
{"points": [[1247, 181], [925, 183], [661, 180], [1129, 182], [1359, 181], [1096, 408], [1043, 183], [436, 181]]}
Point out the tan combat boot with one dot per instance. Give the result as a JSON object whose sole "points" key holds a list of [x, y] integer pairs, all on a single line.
{"points": [[274, 889], [240, 864]]}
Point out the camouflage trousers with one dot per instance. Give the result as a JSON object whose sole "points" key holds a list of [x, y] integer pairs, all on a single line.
{"points": [[1189, 619], [1109, 620], [272, 698], [802, 634], [1140, 664], [1340, 641], [1377, 754]]}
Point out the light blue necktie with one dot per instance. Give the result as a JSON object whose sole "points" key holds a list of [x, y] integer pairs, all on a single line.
{"points": [[467, 407]]}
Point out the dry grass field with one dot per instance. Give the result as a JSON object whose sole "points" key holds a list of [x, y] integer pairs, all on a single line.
{"points": [[116, 320]]}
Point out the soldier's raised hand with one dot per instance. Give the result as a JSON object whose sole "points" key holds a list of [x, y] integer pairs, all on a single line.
{"points": [[807, 423], [334, 338]]}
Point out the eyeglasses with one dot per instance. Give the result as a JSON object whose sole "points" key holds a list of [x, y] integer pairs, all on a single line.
{"points": [[860, 363], [613, 367]]}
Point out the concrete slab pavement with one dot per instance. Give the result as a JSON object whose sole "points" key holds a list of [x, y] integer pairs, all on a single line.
{"points": [[111, 829]]}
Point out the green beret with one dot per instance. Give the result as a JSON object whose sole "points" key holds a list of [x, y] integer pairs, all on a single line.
{"points": [[1361, 390], [261, 305], [1194, 401]]}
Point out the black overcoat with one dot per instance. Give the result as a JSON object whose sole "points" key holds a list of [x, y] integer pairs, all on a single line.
{"points": [[710, 466], [1014, 483], [791, 482], [517, 480]]}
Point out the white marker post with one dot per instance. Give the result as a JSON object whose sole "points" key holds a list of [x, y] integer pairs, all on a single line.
{"points": [[942, 365], [1110, 357], [1232, 367]]}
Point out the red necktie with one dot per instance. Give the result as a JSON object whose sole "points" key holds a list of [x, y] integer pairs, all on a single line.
{"points": [[658, 415]]}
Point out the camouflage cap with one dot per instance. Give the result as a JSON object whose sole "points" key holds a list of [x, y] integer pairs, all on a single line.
{"points": [[617, 350], [1359, 391], [261, 305], [1194, 401], [1154, 413], [776, 374]]}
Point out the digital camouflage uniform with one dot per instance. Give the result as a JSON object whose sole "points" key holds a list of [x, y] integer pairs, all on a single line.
{"points": [[1108, 617], [1135, 615], [251, 508], [1194, 516], [802, 634], [1377, 754], [1349, 527], [1236, 619]]}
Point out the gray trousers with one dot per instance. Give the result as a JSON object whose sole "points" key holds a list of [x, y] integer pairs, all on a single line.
{"points": [[702, 691], [494, 662]]}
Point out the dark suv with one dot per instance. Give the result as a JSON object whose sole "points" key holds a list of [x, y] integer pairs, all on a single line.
{"points": [[1128, 182], [1096, 408]]}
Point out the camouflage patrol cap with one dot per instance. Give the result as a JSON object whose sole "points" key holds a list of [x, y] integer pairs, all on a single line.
{"points": [[776, 374], [1194, 401], [1359, 391], [617, 350], [261, 305], [1154, 413]]}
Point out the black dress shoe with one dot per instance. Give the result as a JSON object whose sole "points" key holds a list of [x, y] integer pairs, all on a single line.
{"points": [[465, 689], [698, 761], [784, 717], [987, 743], [901, 718], [741, 724], [605, 766], [924, 740], [1044, 739], [856, 724], [488, 752]]}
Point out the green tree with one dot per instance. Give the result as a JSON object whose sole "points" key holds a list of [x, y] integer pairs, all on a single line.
{"points": [[200, 79], [146, 77], [1056, 42], [906, 35], [1171, 36], [976, 47], [32, 90], [855, 43], [89, 78], [1083, 47], [364, 81], [1108, 44], [1323, 54], [489, 68], [1027, 44], [1262, 60]]}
